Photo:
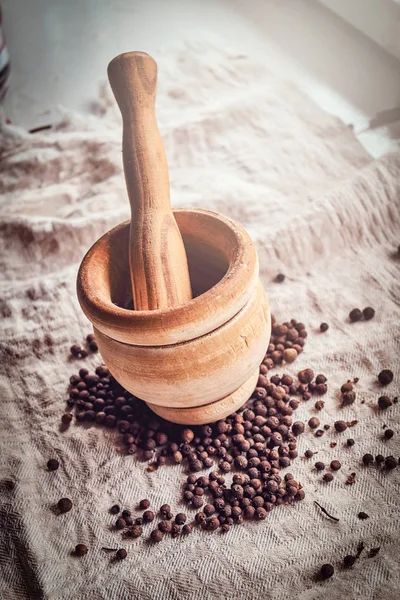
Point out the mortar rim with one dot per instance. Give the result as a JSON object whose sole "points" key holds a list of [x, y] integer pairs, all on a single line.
{"points": [[195, 318]]}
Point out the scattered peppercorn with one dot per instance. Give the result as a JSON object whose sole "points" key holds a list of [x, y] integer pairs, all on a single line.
{"points": [[64, 505], [319, 466], [53, 464], [308, 453], [335, 465], [314, 422], [350, 442], [368, 459], [66, 418], [324, 327], [120, 523], [388, 434], [340, 426], [186, 529], [349, 561], [180, 518], [390, 462], [121, 554], [156, 535], [136, 531], [328, 477], [379, 459], [148, 516], [326, 572], [355, 315], [348, 398], [319, 405], [306, 376], [115, 509], [144, 504], [363, 516], [279, 278], [368, 313], [384, 402], [81, 550], [298, 428], [385, 377]]}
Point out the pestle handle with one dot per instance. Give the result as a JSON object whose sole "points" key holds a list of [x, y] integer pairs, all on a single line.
{"points": [[158, 263]]}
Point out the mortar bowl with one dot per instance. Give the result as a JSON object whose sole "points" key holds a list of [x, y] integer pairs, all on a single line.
{"points": [[197, 362]]}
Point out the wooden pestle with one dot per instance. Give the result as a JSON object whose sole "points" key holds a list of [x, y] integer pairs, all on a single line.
{"points": [[158, 264]]}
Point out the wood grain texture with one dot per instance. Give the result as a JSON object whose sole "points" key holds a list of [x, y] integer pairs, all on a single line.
{"points": [[158, 264], [223, 267], [210, 412], [199, 371]]}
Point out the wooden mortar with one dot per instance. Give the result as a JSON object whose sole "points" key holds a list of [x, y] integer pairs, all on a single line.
{"points": [[193, 360]]}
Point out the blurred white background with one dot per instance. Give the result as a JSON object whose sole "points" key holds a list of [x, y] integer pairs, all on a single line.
{"points": [[342, 53]]}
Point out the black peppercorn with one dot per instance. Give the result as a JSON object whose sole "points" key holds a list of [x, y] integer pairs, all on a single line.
{"points": [[186, 529], [355, 315], [66, 418], [120, 523], [175, 530], [308, 453], [368, 313], [126, 513], [65, 505], [324, 327], [328, 477], [115, 509], [121, 554], [388, 434], [212, 523], [298, 428], [260, 513], [340, 426], [75, 350], [197, 501], [200, 518], [81, 550], [180, 518], [306, 376], [144, 504], [390, 462], [368, 459], [156, 535], [314, 422], [148, 516], [165, 526], [326, 572], [350, 442], [349, 561], [385, 377], [53, 464], [384, 402], [279, 278], [319, 466], [379, 459], [335, 465]]}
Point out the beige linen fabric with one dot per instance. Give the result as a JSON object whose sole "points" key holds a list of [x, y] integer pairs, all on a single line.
{"points": [[249, 144]]}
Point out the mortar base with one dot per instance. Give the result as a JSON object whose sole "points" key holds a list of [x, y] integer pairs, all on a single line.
{"points": [[209, 413]]}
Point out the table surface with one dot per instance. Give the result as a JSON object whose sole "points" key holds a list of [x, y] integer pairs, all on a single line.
{"points": [[60, 50]]}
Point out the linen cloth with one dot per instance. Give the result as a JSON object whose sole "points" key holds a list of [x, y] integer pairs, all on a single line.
{"points": [[245, 142]]}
